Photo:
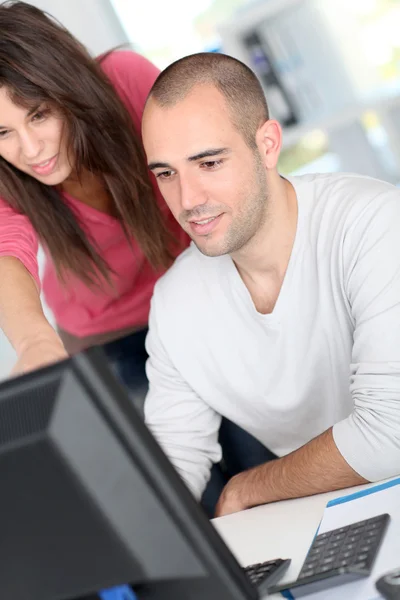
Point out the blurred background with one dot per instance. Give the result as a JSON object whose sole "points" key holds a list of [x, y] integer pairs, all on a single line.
{"points": [[330, 69]]}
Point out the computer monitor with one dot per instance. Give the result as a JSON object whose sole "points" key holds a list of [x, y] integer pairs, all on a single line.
{"points": [[89, 500]]}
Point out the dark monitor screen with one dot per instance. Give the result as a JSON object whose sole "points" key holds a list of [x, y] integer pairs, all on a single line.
{"points": [[89, 500]]}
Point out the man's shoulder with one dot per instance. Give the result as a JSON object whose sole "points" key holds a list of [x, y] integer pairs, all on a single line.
{"points": [[351, 186], [186, 276], [343, 183], [345, 198]]}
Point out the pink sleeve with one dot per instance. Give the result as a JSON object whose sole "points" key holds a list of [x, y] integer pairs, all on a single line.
{"points": [[18, 239], [132, 76]]}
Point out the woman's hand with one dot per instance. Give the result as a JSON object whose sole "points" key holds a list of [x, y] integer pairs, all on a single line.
{"points": [[38, 355]]}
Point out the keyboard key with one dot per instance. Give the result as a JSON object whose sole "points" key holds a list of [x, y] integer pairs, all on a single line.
{"points": [[357, 527], [362, 556], [342, 562], [342, 529], [348, 547], [328, 560], [308, 573], [323, 536], [317, 551], [371, 533], [353, 538]]}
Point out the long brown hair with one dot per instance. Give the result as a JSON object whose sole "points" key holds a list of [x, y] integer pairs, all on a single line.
{"points": [[40, 61]]}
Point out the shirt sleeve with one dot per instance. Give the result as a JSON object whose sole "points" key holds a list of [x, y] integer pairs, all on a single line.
{"points": [[18, 239], [369, 439], [183, 424]]}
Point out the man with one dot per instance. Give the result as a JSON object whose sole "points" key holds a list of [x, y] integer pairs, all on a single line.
{"points": [[284, 315]]}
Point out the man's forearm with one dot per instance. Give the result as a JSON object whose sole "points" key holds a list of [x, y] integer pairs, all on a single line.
{"points": [[314, 468]]}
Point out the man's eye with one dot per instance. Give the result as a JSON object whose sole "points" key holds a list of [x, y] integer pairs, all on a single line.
{"points": [[164, 175], [3, 133], [211, 164]]}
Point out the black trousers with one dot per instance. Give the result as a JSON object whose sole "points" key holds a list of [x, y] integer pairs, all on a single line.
{"points": [[128, 358]]}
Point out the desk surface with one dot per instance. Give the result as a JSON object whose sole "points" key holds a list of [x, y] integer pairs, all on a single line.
{"points": [[279, 530]]}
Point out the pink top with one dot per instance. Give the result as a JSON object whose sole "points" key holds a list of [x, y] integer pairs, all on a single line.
{"points": [[78, 309]]}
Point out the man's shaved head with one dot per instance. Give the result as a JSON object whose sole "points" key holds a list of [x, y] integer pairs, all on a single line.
{"points": [[239, 86]]}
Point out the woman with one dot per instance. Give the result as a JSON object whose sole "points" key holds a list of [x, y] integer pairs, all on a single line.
{"points": [[73, 177]]}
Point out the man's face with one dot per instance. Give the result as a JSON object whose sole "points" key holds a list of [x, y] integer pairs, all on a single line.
{"points": [[214, 184]]}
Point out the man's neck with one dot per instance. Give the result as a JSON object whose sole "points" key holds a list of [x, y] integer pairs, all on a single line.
{"points": [[262, 263]]}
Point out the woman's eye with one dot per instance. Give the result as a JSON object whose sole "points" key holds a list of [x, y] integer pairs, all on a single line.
{"points": [[3, 133], [40, 115]]}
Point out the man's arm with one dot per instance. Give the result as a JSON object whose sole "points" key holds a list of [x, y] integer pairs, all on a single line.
{"points": [[314, 468], [183, 424]]}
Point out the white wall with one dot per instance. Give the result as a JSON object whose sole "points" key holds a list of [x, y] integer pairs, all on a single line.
{"points": [[94, 23], [7, 357]]}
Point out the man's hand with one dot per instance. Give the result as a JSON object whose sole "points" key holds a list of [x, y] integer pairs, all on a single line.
{"points": [[232, 498], [314, 468]]}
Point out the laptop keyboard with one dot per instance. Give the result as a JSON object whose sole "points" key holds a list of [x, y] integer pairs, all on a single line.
{"points": [[266, 573]]}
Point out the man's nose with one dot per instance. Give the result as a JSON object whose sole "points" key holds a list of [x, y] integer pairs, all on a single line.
{"points": [[192, 193]]}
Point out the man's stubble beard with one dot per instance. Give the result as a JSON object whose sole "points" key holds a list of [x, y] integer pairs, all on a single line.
{"points": [[249, 220]]}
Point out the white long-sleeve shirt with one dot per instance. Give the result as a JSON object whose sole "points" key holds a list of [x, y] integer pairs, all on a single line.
{"points": [[328, 354]]}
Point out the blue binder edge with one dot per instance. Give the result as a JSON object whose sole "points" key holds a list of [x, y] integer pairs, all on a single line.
{"points": [[366, 492], [349, 498]]}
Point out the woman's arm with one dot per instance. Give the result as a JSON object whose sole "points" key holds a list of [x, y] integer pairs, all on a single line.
{"points": [[22, 319]]}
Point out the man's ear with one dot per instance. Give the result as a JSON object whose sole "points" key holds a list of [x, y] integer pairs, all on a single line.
{"points": [[269, 142]]}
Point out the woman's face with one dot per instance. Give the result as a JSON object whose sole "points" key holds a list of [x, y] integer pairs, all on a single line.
{"points": [[33, 140]]}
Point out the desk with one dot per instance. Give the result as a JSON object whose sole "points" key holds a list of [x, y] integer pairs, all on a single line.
{"points": [[279, 530]]}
